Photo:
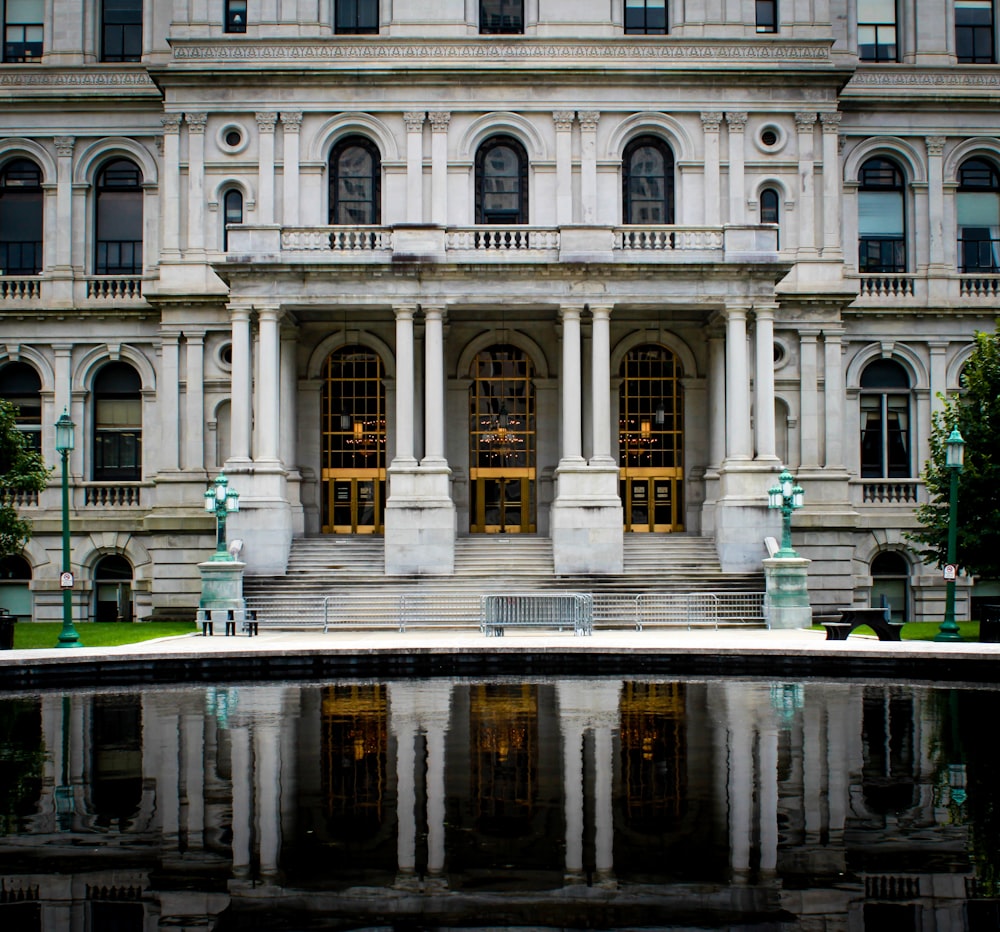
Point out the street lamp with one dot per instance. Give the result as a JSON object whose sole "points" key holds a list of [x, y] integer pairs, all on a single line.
{"points": [[64, 444], [787, 496], [221, 501], [954, 459]]}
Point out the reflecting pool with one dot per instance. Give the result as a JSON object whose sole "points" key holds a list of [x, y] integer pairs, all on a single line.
{"points": [[556, 803]]}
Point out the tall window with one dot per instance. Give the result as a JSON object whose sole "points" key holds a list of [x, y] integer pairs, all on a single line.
{"points": [[645, 17], [21, 386], [881, 218], [770, 207], [501, 182], [23, 30], [232, 212], [117, 424], [891, 583], [118, 234], [355, 182], [877, 30], [121, 30], [20, 218], [648, 181], [356, 17], [236, 15], [974, 32], [767, 15], [978, 217], [885, 421], [501, 17]]}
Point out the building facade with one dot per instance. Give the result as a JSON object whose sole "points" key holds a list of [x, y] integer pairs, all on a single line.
{"points": [[576, 269]]}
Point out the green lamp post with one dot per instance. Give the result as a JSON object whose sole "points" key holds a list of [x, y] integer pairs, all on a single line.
{"points": [[954, 460], [65, 441], [788, 497], [221, 501]]}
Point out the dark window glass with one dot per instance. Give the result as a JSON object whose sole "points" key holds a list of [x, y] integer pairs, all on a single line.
{"points": [[877, 30], [232, 208], [355, 183], [648, 182], [21, 386], [117, 424], [233, 138], [356, 17], [770, 208], [20, 218], [501, 17], [978, 207], [881, 218], [121, 30], [767, 15], [885, 421], [501, 182], [23, 30], [974, 31], [236, 15], [645, 17], [113, 590], [118, 220]]}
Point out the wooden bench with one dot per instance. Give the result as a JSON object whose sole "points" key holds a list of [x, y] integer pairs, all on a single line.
{"points": [[536, 610], [878, 619]]}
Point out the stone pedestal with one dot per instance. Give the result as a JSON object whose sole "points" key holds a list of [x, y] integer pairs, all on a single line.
{"points": [[786, 604], [419, 522], [586, 522], [221, 585]]}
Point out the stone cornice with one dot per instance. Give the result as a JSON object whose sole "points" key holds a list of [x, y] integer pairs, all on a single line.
{"points": [[929, 79], [84, 78]]}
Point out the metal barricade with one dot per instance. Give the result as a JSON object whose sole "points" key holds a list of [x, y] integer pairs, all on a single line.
{"points": [[537, 610]]}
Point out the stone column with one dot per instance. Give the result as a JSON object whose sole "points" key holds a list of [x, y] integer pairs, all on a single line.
{"points": [[717, 397], [604, 825], [767, 753], [805, 123], [288, 407], [64, 203], [834, 397], [169, 402], [193, 736], [196, 185], [599, 381], [291, 122], [939, 369], [267, 738], [813, 758], [440, 120], [194, 406], [710, 125], [265, 181], [572, 438], [433, 386], [414, 120], [563, 120], [242, 775], [572, 735], [269, 385], [737, 385], [832, 223], [242, 382], [808, 400], [406, 800], [170, 187], [737, 123], [404, 386], [935, 198], [739, 786], [588, 164], [435, 797], [764, 383]]}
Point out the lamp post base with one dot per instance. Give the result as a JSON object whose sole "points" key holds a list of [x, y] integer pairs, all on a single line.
{"points": [[68, 637], [948, 631]]}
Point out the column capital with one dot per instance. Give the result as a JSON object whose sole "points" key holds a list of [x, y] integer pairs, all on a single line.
{"points": [[563, 120], [805, 120], [589, 119], [64, 146], [935, 145], [404, 311], [291, 120], [570, 311], [601, 310], [171, 123], [268, 311], [765, 311], [711, 120], [831, 122], [439, 120], [266, 120], [239, 312], [737, 121], [414, 120], [434, 311], [196, 122]]}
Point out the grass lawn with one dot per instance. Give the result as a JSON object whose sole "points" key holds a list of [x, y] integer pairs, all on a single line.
{"points": [[41, 634], [922, 630]]}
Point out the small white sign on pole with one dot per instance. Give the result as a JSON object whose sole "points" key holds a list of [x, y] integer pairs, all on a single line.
{"points": [[950, 572], [66, 580]]}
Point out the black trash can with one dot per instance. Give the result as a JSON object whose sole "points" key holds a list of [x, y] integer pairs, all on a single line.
{"points": [[7, 632], [989, 624]]}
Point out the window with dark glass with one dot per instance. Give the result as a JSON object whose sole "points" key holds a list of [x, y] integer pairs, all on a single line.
{"points": [[885, 421], [501, 182], [881, 218], [236, 15], [121, 30], [23, 30], [648, 182], [767, 15], [232, 211], [978, 209], [646, 17], [118, 239], [877, 30], [770, 207], [356, 17], [501, 17], [117, 424], [21, 386], [20, 218], [974, 41], [355, 182]]}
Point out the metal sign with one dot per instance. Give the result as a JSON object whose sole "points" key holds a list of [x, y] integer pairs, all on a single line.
{"points": [[950, 572], [66, 580]]}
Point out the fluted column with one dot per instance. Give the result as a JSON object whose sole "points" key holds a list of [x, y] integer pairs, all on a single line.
{"points": [[170, 186], [64, 203], [414, 121], [265, 167], [572, 438], [935, 197], [291, 122], [168, 397], [242, 382], [764, 383], [737, 385], [404, 386], [834, 397], [808, 401], [588, 163], [269, 384], [805, 124], [433, 386], [439, 165], [563, 120], [717, 398], [600, 380], [737, 123], [710, 125], [196, 184], [831, 182]]}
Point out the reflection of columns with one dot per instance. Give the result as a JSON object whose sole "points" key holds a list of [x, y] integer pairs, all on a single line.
{"points": [[764, 383], [935, 197], [287, 449], [268, 391], [600, 379], [717, 398], [767, 754], [291, 123], [739, 787], [241, 385], [808, 402], [831, 181], [564, 166], [812, 769], [406, 800], [737, 183], [433, 385], [193, 731], [194, 406], [572, 735], [242, 773], [439, 165], [404, 385], [710, 125], [833, 396], [169, 400], [588, 164], [168, 787], [604, 829], [571, 386], [268, 765], [64, 198], [737, 385], [805, 123], [838, 760], [196, 182], [265, 179], [170, 185], [414, 121], [435, 796]]}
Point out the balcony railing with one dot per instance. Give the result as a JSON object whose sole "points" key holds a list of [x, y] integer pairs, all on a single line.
{"points": [[893, 492], [892, 285], [19, 498], [112, 495], [113, 288], [20, 289]]}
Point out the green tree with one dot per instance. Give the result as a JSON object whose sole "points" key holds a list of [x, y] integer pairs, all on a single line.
{"points": [[21, 470], [976, 414]]}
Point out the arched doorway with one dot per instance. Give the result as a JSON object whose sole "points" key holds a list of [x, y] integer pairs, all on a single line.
{"points": [[891, 581], [651, 440], [353, 428], [15, 585], [502, 445], [113, 589]]}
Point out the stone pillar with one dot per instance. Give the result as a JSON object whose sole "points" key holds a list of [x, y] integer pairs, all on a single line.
{"points": [[170, 187], [64, 203], [767, 754], [406, 801], [805, 123], [808, 400], [832, 223], [288, 407], [267, 739], [291, 122], [414, 120], [241, 391], [739, 788], [935, 196], [572, 735], [764, 383], [786, 602], [717, 398], [737, 385], [194, 402], [588, 164], [710, 122], [939, 370], [196, 185], [600, 381], [169, 402], [433, 386], [404, 385], [265, 179], [572, 437], [834, 397], [439, 165], [813, 795], [604, 825], [435, 797], [268, 385], [737, 123], [563, 120]]}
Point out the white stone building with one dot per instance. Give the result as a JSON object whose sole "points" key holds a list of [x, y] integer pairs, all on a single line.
{"points": [[578, 269]]}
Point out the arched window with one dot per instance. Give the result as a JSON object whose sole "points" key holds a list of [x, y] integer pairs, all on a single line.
{"points": [[885, 421], [770, 208], [118, 219], [648, 182], [20, 218], [501, 182], [881, 217], [355, 183], [117, 424], [978, 217], [232, 212], [113, 589], [21, 386], [891, 584], [501, 17]]}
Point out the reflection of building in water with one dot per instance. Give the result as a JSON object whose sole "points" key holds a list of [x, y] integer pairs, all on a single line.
{"points": [[467, 802]]}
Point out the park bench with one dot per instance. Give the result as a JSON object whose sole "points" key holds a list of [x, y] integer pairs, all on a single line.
{"points": [[558, 610], [878, 619], [230, 618]]}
